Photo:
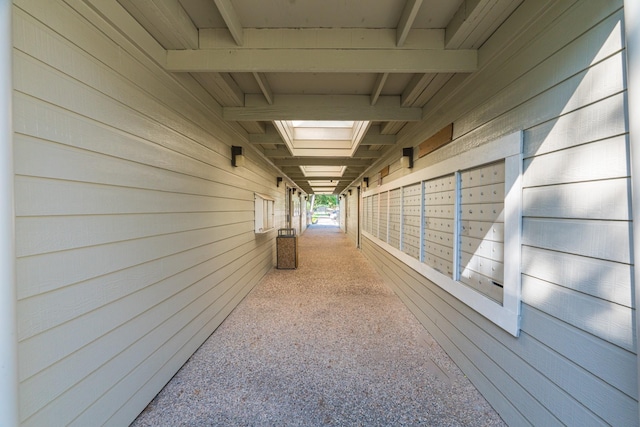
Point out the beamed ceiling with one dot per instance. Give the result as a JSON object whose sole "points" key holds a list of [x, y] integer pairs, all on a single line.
{"points": [[269, 63]]}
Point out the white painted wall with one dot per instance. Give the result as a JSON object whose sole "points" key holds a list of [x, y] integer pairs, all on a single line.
{"points": [[134, 234], [556, 71], [632, 44], [8, 337]]}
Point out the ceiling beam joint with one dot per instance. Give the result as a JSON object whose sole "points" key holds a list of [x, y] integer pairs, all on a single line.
{"points": [[231, 19], [261, 78], [409, 14], [377, 87]]}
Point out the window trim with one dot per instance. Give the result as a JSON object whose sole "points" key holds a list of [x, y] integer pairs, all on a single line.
{"points": [[260, 214], [509, 149]]}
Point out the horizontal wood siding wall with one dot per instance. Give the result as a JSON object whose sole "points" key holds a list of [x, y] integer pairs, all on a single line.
{"points": [[134, 233], [562, 82]]}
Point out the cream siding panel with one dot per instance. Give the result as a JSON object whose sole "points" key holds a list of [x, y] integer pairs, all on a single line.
{"points": [[549, 73], [600, 120], [578, 90], [105, 389], [69, 232], [562, 83], [134, 233], [601, 318], [586, 350], [499, 356], [594, 199], [607, 240], [47, 310], [603, 279], [604, 159]]}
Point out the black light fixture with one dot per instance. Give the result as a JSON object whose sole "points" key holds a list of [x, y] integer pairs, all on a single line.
{"points": [[365, 182], [278, 181], [407, 158], [349, 191], [237, 158]]}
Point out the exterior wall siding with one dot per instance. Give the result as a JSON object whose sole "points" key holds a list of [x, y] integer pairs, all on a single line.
{"points": [[134, 234], [562, 83]]}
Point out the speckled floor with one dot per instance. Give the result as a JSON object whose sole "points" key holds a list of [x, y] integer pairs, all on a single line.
{"points": [[326, 344]]}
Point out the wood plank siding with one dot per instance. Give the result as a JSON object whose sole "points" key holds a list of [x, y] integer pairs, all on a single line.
{"points": [[561, 82], [135, 235], [134, 232]]}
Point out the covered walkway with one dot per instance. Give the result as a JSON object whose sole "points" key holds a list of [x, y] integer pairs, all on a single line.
{"points": [[326, 344]]}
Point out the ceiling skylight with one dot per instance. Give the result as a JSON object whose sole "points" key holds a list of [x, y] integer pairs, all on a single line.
{"points": [[316, 171], [323, 187], [317, 138]]}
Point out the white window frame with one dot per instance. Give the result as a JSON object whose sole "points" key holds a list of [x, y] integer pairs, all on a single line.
{"points": [[509, 149], [264, 209]]}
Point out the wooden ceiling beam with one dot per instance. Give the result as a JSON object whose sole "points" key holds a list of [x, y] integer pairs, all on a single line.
{"points": [[406, 20], [373, 137], [322, 38], [321, 161], [222, 87], [377, 87], [338, 60], [465, 20], [361, 153], [261, 78], [337, 179], [415, 87], [365, 153], [322, 107], [230, 17], [167, 20]]}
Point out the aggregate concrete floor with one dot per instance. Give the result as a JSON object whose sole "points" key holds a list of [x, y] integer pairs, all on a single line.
{"points": [[325, 344]]}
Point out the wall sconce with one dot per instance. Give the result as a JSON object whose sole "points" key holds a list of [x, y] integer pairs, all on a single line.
{"points": [[237, 159], [365, 182], [349, 191], [299, 193], [278, 181], [407, 158]]}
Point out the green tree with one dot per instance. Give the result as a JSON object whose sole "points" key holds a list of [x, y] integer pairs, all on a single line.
{"points": [[330, 200]]}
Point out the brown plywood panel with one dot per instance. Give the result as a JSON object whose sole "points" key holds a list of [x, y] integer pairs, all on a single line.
{"points": [[441, 138]]}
